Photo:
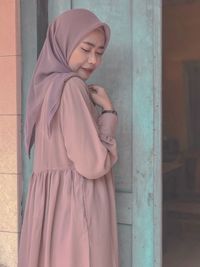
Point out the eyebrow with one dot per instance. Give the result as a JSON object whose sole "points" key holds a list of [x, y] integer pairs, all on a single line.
{"points": [[102, 47]]}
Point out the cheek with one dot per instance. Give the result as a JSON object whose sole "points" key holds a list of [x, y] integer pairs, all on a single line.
{"points": [[76, 59]]}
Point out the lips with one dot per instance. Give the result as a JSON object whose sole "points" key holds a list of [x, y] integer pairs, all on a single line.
{"points": [[88, 70]]}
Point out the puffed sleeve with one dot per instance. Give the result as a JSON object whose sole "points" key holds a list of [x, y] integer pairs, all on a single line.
{"points": [[90, 143]]}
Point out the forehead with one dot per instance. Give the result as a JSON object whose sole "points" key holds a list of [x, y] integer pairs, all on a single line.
{"points": [[95, 38]]}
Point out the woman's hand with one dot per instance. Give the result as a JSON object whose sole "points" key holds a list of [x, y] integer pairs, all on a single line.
{"points": [[99, 96]]}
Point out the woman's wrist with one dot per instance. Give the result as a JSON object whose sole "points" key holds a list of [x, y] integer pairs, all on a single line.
{"points": [[108, 107]]}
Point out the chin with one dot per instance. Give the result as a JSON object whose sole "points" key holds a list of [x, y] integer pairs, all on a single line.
{"points": [[84, 77]]}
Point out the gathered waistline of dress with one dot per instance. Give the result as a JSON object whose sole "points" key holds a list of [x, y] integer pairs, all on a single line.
{"points": [[69, 168]]}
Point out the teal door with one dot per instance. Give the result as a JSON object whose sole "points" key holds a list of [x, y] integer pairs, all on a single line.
{"points": [[131, 72]]}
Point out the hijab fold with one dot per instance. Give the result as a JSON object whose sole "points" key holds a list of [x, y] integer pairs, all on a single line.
{"points": [[52, 70]]}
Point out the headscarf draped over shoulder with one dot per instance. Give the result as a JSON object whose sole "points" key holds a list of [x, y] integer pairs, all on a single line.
{"points": [[52, 70]]}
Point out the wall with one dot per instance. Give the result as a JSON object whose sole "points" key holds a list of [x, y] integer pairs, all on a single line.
{"points": [[181, 42], [10, 124]]}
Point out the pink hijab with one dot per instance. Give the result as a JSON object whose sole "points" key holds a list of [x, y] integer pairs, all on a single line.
{"points": [[52, 70]]}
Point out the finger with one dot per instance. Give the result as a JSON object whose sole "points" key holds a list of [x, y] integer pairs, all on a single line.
{"points": [[93, 90]]}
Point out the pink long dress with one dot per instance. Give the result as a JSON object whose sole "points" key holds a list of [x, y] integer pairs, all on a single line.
{"points": [[70, 212]]}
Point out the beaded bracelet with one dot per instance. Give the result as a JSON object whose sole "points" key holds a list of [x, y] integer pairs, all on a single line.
{"points": [[109, 111]]}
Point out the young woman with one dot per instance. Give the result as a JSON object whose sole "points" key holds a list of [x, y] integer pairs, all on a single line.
{"points": [[70, 212]]}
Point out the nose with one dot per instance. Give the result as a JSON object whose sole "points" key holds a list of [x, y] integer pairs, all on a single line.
{"points": [[92, 58]]}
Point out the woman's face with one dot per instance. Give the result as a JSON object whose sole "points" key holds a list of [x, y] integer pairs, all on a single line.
{"points": [[87, 56]]}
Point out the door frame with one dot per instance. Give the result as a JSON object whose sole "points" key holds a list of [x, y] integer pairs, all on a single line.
{"points": [[146, 114]]}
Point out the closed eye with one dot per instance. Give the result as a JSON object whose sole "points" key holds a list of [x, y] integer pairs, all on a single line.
{"points": [[87, 51]]}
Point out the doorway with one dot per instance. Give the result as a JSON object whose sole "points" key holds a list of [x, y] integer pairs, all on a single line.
{"points": [[181, 133]]}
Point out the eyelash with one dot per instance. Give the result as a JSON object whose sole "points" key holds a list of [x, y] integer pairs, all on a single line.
{"points": [[100, 54]]}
